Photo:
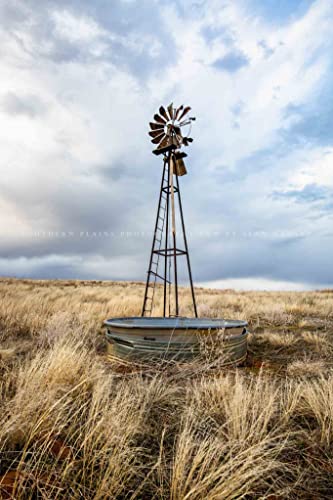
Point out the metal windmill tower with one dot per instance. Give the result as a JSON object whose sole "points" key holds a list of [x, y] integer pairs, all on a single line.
{"points": [[169, 132]]}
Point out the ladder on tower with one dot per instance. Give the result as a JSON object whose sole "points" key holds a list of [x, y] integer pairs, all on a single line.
{"points": [[152, 273]]}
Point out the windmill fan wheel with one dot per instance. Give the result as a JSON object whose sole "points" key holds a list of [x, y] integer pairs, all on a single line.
{"points": [[170, 128]]}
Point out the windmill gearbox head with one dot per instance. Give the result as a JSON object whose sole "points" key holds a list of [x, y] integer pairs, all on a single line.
{"points": [[170, 131]]}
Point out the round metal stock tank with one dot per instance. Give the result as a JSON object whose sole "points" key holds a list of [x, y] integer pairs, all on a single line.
{"points": [[142, 338]]}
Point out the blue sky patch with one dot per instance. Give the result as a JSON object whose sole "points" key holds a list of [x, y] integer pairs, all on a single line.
{"points": [[232, 62]]}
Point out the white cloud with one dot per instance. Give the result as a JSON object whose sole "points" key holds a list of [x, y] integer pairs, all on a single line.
{"points": [[261, 284], [77, 28], [316, 166]]}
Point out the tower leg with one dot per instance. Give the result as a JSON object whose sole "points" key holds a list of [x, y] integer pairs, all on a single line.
{"points": [[167, 163], [171, 168]]}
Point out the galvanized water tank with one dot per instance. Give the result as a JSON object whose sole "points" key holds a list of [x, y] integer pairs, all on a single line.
{"points": [[141, 338]]}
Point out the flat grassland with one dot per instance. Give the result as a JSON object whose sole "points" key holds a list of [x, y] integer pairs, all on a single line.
{"points": [[74, 424]]}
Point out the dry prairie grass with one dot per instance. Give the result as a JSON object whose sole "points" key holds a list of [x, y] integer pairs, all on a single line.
{"points": [[73, 425]]}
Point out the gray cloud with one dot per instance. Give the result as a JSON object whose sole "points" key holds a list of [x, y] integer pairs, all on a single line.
{"points": [[304, 261], [29, 105], [321, 196], [128, 39]]}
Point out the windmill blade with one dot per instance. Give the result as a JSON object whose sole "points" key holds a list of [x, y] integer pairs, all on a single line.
{"points": [[163, 113], [159, 119], [185, 122], [158, 139], [155, 133], [156, 126], [165, 142], [170, 111], [177, 141], [163, 146], [178, 111], [177, 130], [180, 139], [186, 110]]}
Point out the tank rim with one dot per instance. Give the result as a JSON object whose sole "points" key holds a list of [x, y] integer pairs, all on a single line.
{"points": [[180, 323]]}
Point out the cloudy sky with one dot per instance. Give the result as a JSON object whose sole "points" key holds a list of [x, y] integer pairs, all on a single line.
{"points": [[79, 83]]}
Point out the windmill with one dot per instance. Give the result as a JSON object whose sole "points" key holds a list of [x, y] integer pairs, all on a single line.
{"points": [[171, 336], [170, 133]]}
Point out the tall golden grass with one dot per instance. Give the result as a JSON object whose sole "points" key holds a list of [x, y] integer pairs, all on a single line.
{"points": [[74, 425]]}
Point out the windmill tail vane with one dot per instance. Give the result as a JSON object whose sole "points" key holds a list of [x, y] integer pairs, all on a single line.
{"points": [[169, 131]]}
